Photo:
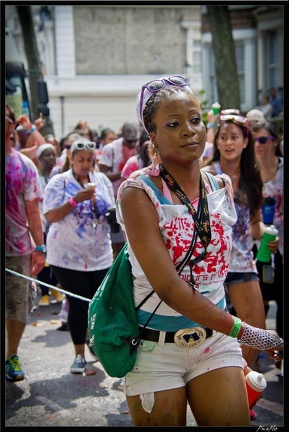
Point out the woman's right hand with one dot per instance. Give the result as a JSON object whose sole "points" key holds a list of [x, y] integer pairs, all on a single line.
{"points": [[24, 121]]}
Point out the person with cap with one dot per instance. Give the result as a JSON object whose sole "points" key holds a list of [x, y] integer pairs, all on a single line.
{"points": [[111, 162], [189, 351], [254, 117], [79, 247], [24, 245], [46, 156]]}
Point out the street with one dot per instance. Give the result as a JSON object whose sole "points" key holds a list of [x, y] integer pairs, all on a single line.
{"points": [[51, 396]]}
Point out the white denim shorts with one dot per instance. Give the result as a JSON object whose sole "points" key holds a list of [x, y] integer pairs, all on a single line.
{"points": [[166, 366]]}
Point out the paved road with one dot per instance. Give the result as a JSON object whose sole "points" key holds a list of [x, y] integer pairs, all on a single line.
{"points": [[52, 396]]}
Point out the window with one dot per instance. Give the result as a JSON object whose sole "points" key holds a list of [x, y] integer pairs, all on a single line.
{"points": [[239, 51], [272, 50], [197, 57]]}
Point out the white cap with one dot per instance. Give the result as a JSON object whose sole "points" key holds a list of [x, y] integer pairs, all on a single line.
{"points": [[255, 115]]}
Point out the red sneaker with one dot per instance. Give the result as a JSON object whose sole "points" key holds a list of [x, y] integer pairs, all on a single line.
{"points": [[253, 415]]}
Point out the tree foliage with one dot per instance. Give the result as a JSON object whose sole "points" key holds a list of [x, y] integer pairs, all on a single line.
{"points": [[224, 53]]}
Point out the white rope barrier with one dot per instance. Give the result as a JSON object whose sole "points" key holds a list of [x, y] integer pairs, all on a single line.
{"points": [[48, 285]]}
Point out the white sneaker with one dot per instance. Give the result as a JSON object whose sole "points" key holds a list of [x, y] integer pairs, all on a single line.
{"points": [[78, 365]]}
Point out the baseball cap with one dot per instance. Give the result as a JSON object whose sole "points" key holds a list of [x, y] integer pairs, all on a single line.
{"points": [[255, 115]]}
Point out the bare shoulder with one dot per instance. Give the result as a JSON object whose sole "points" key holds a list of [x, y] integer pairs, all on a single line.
{"points": [[210, 169], [212, 172]]}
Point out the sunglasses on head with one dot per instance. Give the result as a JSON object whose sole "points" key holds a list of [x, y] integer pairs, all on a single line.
{"points": [[236, 118], [231, 111], [81, 145], [158, 84], [264, 139]]}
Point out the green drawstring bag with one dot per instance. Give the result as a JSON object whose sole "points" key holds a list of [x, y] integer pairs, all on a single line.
{"points": [[112, 319]]}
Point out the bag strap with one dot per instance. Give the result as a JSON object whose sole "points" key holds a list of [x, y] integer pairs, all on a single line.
{"points": [[180, 266]]}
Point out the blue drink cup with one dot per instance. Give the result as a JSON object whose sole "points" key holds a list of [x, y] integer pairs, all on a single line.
{"points": [[268, 209]]}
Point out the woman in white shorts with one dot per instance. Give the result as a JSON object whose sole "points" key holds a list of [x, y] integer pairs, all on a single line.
{"points": [[189, 352]]}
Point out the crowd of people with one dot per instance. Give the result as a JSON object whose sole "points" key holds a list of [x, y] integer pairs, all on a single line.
{"points": [[73, 187], [197, 186]]}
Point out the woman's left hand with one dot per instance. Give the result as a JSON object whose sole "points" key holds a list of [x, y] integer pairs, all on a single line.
{"points": [[273, 245], [276, 355]]}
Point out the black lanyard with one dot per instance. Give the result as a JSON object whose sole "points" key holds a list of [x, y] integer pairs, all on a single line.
{"points": [[201, 216]]}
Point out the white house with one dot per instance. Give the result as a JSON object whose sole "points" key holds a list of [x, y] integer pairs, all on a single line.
{"points": [[96, 57]]}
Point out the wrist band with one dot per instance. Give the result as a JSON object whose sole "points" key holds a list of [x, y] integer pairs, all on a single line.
{"points": [[72, 202], [210, 125], [33, 129], [236, 327]]}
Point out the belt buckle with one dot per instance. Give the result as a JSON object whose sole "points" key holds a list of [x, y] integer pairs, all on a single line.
{"points": [[190, 337]]}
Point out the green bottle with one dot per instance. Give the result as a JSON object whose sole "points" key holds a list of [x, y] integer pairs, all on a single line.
{"points": [[264, 254]]}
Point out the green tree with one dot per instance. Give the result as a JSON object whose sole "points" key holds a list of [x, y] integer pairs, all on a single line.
{"points": [[224, 53]]}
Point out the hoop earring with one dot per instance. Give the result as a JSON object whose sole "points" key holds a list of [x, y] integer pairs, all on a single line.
{"points": [[152, 170]]}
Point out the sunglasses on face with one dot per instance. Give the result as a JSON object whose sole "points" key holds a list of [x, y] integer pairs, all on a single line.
{"points": [[237, 118], [130, 141], [264, 139], [156, 85]]}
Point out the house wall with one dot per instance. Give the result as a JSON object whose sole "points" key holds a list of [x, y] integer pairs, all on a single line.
{"points": [[105, 54], [96, 57]]}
